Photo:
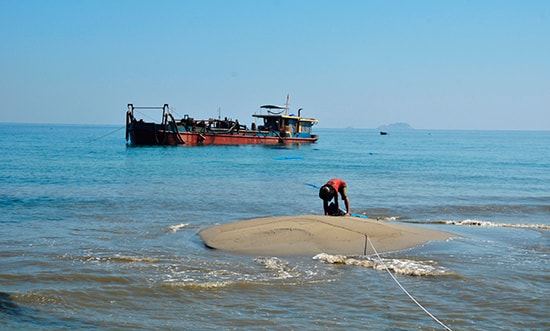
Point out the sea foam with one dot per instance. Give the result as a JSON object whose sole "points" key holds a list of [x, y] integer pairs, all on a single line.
{"points": [[398, 266], [470, 222]]}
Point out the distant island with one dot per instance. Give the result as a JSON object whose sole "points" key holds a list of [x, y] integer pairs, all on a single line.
{"points": [[395, 126]]}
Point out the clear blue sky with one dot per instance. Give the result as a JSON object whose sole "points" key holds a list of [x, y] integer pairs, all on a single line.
{"points": [[433, 64]]}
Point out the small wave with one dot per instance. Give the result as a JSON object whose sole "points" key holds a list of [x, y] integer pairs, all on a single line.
{"points": [[281, 268], [125, 259], [387, 218], [469, 222], [8, 305], [398, 266], [199, 286], [213, 285], [131, 259], [37, 298], [268, 271], [177, 227], [289, 157]]}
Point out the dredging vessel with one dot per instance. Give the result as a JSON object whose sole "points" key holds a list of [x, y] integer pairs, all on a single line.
{"points": [[277, 127]]}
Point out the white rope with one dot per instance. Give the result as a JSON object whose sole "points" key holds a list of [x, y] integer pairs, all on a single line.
{"points": [[404, 290]]}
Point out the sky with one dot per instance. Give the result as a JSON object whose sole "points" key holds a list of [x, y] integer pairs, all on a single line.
{"points": [[466, 65]]}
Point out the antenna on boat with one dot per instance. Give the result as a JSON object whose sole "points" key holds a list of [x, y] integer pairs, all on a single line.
{"points": [[286, 103], [219, 113]]}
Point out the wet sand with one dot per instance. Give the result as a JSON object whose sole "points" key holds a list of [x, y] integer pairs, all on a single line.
{"points": [[313, 234]]}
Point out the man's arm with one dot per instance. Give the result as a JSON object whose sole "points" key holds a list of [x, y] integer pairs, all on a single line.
{"points": [[346, 202]]}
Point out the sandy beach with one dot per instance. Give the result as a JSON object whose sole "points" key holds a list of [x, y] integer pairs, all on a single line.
{"points": [[313, 234]]}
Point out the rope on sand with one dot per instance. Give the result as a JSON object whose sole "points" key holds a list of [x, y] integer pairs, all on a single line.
{"points": [[403, 289]]}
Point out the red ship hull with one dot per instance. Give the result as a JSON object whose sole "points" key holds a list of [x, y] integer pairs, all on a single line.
{"points": [[275, 129], [150, 134]]}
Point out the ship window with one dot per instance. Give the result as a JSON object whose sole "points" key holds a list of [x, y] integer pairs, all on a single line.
{"points": [[271, 124], [306, 127], [291, 125]]}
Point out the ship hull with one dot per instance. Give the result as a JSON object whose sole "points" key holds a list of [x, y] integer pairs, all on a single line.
{"points": [[152, 134]]}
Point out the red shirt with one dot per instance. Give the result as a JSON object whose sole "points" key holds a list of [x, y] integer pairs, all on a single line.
{"points": [[336, 183]]}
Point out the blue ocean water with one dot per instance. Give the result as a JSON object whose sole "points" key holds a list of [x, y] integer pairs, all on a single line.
{"points": [[98, 235]]}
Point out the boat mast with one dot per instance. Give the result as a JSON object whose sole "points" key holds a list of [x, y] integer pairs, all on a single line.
{"points": [[286, 104]]}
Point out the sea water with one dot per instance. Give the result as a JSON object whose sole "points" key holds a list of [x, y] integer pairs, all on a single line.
{"points": [[95, 235]]}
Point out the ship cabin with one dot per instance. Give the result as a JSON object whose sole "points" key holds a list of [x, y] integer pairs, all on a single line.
{"points": [[286, 125]]}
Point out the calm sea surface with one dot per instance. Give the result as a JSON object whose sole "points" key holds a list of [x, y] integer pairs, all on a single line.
{"points": [[95, 235]]}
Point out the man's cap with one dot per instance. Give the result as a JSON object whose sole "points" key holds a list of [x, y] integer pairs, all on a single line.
{"points": [[326, 192]]}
